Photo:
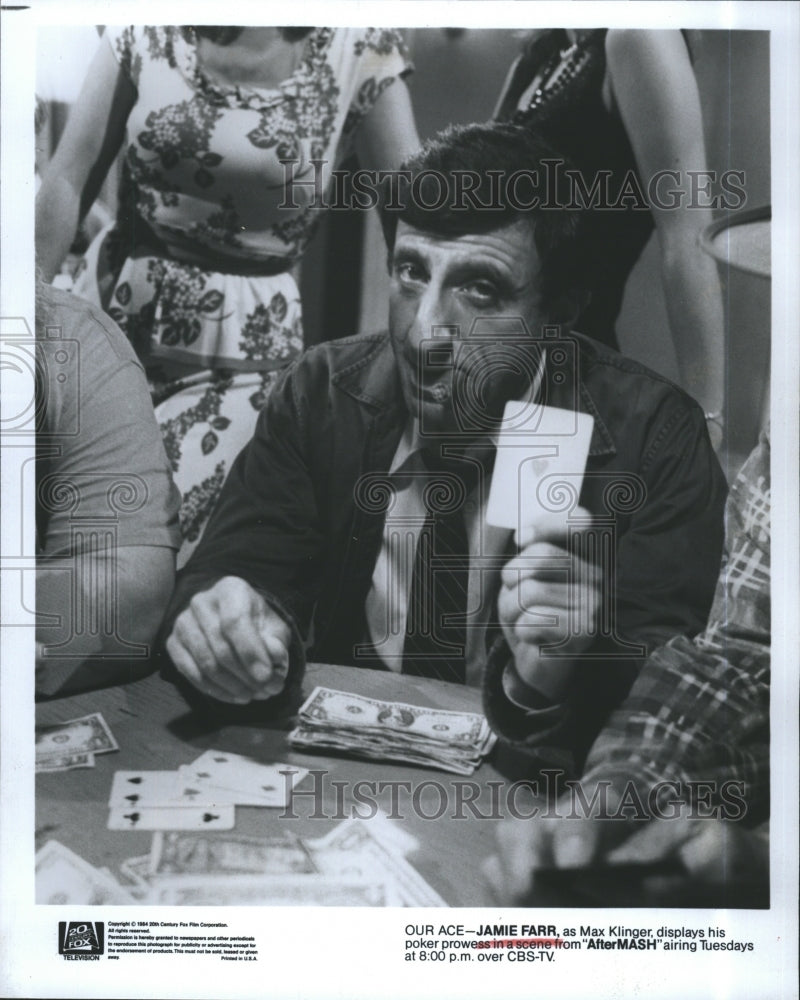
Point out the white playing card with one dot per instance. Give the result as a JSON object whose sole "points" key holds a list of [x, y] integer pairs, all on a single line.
{"points": [[140, 789], [253, 783], [184, 818], [537, 443], [192, 789]]}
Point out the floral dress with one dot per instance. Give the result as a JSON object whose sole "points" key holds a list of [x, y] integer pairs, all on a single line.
{"points": [[220, 196]]}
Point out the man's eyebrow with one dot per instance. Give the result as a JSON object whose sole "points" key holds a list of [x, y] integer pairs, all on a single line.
{"points": [[482, 269], [408, 255]]}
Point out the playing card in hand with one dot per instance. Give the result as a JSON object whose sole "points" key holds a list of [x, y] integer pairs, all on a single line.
{"points": [[539, 449]]}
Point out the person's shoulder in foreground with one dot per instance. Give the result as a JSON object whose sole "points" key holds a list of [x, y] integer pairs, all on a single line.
{"points": [[101, 447], [60, 313]]}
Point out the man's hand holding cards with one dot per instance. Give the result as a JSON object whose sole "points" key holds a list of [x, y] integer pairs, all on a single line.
{"points": [[550, 594], [550, 597]]}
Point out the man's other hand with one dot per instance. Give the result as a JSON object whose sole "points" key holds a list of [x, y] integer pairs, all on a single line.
{"points": [[714, 851], [230, 644]]}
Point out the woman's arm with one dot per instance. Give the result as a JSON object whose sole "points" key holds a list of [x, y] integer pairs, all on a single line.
{"points": [[388, 134], [91, 140], [655, 92]]}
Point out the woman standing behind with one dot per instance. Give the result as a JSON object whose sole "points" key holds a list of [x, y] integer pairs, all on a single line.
{"points": [[621, 101], [198, 267]]}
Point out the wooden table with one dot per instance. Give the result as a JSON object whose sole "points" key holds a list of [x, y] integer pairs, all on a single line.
{"points": [[155, 731]]}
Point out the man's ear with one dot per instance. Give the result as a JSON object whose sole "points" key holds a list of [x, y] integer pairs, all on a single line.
{"points": [[569, 306]]}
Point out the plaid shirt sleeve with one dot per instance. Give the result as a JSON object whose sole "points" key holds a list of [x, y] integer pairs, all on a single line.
{"points": [[699, 710]]}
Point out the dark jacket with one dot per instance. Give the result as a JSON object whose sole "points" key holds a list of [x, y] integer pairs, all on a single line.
{"points": [[296, 521]]}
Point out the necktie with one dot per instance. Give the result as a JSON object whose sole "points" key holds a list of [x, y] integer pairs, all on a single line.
{"points": [[435, 645]]}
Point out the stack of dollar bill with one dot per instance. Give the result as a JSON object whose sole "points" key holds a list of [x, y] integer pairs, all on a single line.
{"points": [[386, 730]]}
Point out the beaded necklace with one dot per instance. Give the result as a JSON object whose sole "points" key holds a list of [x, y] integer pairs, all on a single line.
{"points": [[558, 72]]}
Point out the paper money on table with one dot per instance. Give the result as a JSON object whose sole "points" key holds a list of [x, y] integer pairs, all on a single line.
{"points": [[352, 847], [67, 762], [357, 863], [385, 730], [275, 890], [231, 854], [137, 871], [63, 877], [391, 834], [73, 743]]}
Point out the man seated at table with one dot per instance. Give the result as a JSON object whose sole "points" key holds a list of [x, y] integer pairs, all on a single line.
{"points": [[687, 753], [106, 510], [315, 534]]}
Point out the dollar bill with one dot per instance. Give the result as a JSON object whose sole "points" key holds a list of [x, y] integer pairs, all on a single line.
{"points": [[331, 707], [352, 849], [197, 854], [62, 877], [277, 890], [137, 870], [61, 747], [64, 762]]}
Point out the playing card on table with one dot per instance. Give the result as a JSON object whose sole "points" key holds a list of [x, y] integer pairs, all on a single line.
{"points": [[233, 778], [171, 789], [138, 789], [538, 447], [164, 818]]}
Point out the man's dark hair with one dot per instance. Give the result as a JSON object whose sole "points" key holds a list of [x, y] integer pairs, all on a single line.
{"points": [[505, 168]]}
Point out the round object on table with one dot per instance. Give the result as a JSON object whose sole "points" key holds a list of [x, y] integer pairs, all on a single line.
{"points": [[742, 241]]}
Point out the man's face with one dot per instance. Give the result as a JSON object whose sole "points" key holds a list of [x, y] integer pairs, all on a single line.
{"points": [[461, 373]]}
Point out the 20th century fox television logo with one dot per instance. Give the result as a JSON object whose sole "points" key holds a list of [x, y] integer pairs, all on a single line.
{"points": [[81, 940]]}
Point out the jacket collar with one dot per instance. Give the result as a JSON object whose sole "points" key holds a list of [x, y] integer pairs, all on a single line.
{"points": [[602, 442], [369, 374], [371, 378]]}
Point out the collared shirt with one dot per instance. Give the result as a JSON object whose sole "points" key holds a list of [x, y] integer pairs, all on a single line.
{"points": [[700, 708], [386, 606]]}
